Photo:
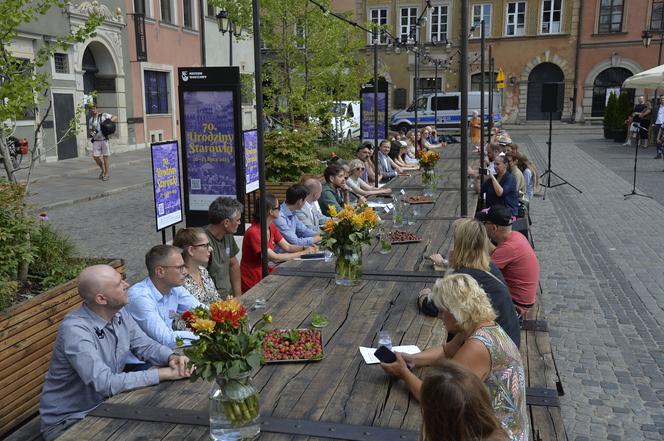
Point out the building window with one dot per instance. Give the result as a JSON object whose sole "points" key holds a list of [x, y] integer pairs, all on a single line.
{"points": [[379, 19], [166, 11], [657, 15], [438, 26], [188, 14], [408, 21], [476, 79], [609, 80], [516, 19], [61, 62], [210, 10], [610, 16], [300, 33], [429, 85], [551, 13], [479, 13], [156, 92]]}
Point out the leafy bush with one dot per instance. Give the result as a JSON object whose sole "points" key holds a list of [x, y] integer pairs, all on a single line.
{"points": [[54, 261], [610, 111], [15, 228], [291, 153], [343, 149], [624, 109]]}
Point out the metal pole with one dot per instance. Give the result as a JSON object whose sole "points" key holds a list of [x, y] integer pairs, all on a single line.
{"points": [[230, 48], [415, 94], [259, 130], [481, 95], [375, 81], [490, 124], [435, 97], [463, 72]]}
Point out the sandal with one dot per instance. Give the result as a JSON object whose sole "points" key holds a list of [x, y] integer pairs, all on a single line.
{"points": [[105, 178]]}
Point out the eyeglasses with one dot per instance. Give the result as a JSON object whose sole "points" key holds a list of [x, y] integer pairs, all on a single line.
{"points": [[207, 244], [182, 268]]}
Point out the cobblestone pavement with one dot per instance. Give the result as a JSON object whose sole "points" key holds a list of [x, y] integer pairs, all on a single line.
{"points": [[601, 264], [602, 285]]}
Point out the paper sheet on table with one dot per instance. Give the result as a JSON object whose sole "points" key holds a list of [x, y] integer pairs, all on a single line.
{"points": [[370, 358], [372, 204]]}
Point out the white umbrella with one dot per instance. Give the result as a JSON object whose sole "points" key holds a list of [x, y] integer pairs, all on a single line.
{"points": [[650, 79]]}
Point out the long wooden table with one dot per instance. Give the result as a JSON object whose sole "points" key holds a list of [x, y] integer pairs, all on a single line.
{"points": [[305, 400]]}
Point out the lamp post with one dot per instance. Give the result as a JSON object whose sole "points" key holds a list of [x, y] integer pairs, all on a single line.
{"points": [[226, 25], [646, 37]]}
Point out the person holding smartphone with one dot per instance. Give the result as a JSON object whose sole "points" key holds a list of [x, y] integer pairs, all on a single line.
{"points": [[480, 345]]}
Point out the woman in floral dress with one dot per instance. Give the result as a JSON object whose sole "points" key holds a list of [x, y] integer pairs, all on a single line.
{"points": [[480, 345], [196, 252]]}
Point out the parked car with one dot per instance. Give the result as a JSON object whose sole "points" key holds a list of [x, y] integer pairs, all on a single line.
{"points": [[345, 120], [448, 110]]}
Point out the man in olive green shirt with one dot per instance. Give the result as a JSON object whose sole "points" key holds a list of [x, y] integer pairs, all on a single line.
{"points": [[224, 215]]}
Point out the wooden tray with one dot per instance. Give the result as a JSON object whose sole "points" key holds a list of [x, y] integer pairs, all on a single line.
{"points": [[408, 200], [302, 360], [405, 241]]}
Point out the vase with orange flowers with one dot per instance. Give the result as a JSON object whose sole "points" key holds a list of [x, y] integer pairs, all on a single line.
{"points": [[428, 161], [344, 234], [226, 352]]}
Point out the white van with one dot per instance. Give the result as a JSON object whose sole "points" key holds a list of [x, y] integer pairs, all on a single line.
{"points": [[449, 105], [345, 120]]}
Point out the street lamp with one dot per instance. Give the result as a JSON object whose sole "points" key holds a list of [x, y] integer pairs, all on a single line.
{"points": [[646, 37], [226, 25]]}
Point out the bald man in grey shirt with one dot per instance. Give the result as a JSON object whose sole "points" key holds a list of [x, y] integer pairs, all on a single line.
{"points": [[91, 350]]}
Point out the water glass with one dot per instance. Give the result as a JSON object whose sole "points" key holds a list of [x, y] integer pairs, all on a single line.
{"points": [[384, 339], [260, 303]]}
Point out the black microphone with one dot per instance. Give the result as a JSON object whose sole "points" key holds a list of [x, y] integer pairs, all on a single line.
{"points": [[100, 333]]}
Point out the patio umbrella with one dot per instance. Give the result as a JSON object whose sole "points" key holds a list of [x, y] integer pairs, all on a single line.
{"points": [[649, 79]]}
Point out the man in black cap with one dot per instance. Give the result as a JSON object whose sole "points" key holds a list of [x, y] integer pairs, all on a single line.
{"points": [[513, 255]]}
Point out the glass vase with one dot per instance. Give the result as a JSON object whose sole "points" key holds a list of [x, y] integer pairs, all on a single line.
{"points": [[429, 182], [348, 267], [234, 409]]}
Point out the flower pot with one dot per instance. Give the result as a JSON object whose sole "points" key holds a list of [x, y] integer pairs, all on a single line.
{"points": [[348, 266], [429, 182], [619, 135], [234, 409], [607, 133]]}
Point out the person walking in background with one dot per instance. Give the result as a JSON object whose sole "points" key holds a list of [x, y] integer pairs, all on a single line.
{"points": [[101, 149], [475, 127]]}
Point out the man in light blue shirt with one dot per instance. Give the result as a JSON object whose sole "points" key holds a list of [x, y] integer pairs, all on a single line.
{"points": [[90, 352], [159, 298], [292, 228]]}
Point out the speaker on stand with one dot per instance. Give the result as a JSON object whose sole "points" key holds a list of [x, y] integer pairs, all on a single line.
{"points": [[552, 104]]}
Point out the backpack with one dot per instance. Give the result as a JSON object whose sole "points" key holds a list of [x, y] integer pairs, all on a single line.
{"points": [[107, 127]]}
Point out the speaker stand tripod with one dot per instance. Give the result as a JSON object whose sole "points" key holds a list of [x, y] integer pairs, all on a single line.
{"points": [[636, 158], [548, 173]]}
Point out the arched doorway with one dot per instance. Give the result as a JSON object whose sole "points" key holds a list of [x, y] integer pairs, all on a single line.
{"points": [[99, 73], [543, 73], [609, 80]]}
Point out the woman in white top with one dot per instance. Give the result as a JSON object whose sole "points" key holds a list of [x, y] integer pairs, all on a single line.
{"points": [[358, 186]]}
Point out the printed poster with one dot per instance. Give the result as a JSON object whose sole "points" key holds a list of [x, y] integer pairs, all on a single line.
{"points": [[209, 146], [166, 179], [368, 116], [251, 160]]}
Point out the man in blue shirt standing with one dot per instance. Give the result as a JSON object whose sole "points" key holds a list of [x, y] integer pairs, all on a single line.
{"points": [[292, 228], [159, 298], [90, 352]]}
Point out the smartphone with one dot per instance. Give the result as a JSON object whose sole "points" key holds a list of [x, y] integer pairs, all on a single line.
{"points": [[484, 171], [313, 256], [385, 355]]}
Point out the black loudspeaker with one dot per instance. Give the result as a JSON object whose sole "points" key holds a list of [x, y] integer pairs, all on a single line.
{"points": [[550, 97]]}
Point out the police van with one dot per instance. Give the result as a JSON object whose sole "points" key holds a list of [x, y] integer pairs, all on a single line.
{"points": [[446, 106]]}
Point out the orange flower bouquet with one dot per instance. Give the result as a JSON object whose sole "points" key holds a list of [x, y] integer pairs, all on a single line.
{"points": [[428, 159], [344, 236]]}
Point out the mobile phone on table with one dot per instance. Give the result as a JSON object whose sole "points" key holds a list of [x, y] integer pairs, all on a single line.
{"points": [[385, 355]]}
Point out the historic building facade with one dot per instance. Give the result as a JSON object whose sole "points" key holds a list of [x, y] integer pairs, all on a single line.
{"points": [[533, 42], [611, 49]]}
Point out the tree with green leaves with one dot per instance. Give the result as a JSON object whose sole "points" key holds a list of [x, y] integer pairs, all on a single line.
{"points": [[24, 84]]}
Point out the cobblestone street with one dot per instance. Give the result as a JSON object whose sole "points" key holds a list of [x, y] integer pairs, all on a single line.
{"points": [[600, 255]]}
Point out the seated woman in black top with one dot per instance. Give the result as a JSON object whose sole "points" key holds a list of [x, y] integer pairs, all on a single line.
{"points": [[501, 188], [471, 256]]}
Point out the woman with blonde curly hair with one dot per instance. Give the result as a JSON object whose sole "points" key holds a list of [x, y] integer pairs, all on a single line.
{"points": [[480, 345]]}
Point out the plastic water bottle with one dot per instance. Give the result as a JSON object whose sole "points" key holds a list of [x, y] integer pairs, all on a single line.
{"points": [[384, 339]]}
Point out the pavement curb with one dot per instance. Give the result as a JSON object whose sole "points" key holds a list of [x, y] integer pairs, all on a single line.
{"points": [[94, 196], [82, 171]]}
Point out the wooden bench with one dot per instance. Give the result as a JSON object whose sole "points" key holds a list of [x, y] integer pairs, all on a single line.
{"points": [[543, 385]]}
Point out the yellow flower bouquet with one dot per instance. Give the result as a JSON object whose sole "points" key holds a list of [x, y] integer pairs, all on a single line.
{"points": [[344, 236]]}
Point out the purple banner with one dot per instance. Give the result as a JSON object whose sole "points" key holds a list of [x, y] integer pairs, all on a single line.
{"points": [[251, 160], [166, 179], [368, 116], [210, 146]]}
